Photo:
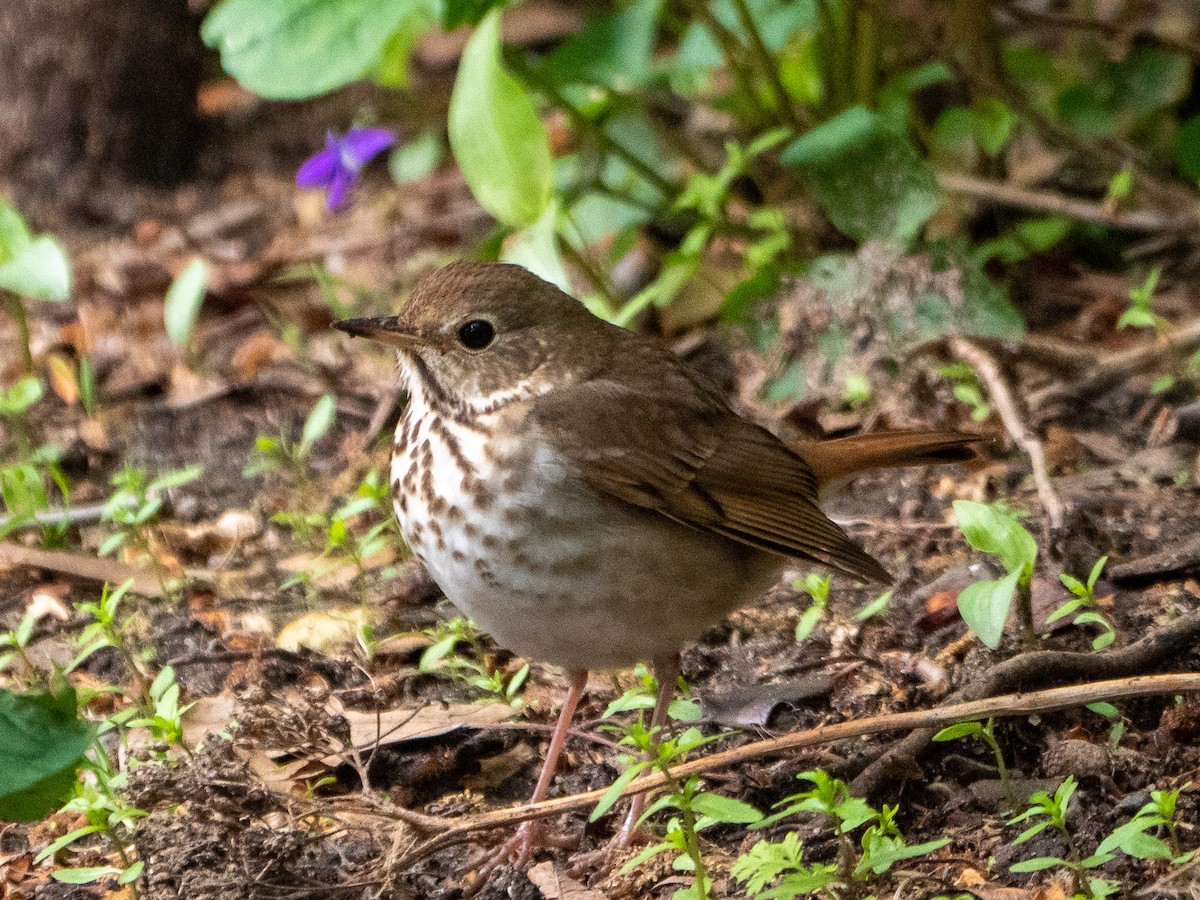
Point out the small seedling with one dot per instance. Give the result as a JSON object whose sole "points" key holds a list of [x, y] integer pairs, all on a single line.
{"points": [[275, 453], [164, 717], [817, 587], [984, 605], [967, 389], [778, 871], [445, 656], [1139, 314], [876, 607], [31, 267], [642, 696], [1048, 811], [1085, 599], [986, 734]]}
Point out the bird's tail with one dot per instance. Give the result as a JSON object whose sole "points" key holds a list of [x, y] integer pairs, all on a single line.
{"points": [[842, 457]]}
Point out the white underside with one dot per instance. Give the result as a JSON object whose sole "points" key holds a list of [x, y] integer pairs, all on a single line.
{"points": [[633, 592]]}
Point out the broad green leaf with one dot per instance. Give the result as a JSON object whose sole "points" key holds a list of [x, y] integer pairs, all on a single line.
{"points": [[496, 135], [996, 532], [295, 49], [984, 607], [867, 176], [613, 50], [536, 248], [466, 12], [994, 123], [22, 395], [319, 421], [1187, 148], [1106, 709], [416, 158], [1132, 838], [183, 300], [39, 270], [42, 743], [391, 67]]}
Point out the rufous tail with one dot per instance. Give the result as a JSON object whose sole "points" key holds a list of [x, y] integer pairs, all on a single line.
{"points": [[842, 457]]}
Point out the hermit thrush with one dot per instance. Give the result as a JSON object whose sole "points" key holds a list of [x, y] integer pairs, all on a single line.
{"points": [[585, 496]]}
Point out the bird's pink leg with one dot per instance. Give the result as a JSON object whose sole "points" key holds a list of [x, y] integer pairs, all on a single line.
{"points": [[532, 834]]}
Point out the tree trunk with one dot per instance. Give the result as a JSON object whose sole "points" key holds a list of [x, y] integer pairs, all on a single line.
{"points": [[96, 94]]}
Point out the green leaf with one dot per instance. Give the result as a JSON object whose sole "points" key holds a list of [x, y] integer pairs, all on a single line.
{"points": [[416, 158], [961, 730], [391, 67], [614, 50], [1187, 148], [84, 874], [984, 607], [39, 270], [184, 297], [536, 249], [867, 176], [1132, 839], [1036, 864], [295, 49], [1103, 708], [613, 794], [319, 421], [994, 123], [42, 743], [15, 235], [997, 532], [725, 809], [496, 135], [466, 12]]}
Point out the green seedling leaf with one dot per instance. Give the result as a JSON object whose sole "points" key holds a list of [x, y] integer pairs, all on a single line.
{"points": [[415, 159], [22, 395], [295, 49], [42, 744], [319, 421], [1036, 864], [961, 730], [725, 809], [984, 607], [183, 300], [1132, 839], [84, 874], [1103, 708], [39, 270], [994, 123], [496, 135], [999, 533], [613, 794]]}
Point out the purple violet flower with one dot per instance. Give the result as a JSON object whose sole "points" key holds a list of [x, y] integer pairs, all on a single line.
{"points": [[337, 167]]}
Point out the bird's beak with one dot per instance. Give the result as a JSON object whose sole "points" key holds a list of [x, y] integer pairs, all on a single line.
{"points": [[386, 329]]}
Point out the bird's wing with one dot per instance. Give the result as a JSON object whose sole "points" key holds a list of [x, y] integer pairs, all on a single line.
{"points": [[679, 450]]}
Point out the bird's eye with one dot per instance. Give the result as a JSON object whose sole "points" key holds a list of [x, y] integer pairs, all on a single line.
{"points": [[476, 334]]}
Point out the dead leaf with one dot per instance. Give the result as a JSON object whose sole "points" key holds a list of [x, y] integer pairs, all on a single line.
{"points": [[369, 730], [208, 715], [257, 352], [555, 884], [80, 565], [62, 379], [323, 632]]}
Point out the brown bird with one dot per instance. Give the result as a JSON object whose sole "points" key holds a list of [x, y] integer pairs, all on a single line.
{"points": [[585, 496]]}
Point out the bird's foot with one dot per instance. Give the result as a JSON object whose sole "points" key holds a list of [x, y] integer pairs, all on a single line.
{"points": [[518, 851]]}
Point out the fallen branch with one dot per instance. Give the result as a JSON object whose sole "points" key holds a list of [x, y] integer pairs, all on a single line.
{"points": [[81, 565], [1039, 667], [1002, 399], [1082, 210], [926, 719], [1114, 368]]}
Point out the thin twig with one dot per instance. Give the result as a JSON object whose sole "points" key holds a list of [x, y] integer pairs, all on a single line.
{"points": [[1004, 194], [1114, 368], [1004, 706], [1110, 29], [1002, 399]]}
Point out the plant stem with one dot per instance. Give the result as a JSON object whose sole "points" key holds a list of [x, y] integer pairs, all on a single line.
{"points": [[1025, 613], [583, 123], [17, 310], [766, 62], [866, 53], [734, 53]]}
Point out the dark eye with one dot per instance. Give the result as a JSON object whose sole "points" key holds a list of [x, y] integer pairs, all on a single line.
{"points": [[476, 334]]}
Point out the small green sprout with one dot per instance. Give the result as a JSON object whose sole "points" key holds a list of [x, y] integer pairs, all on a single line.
{"points": [[984, 605], [1139, 314], [1085, 599], [817, 587], [274, 453]]}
